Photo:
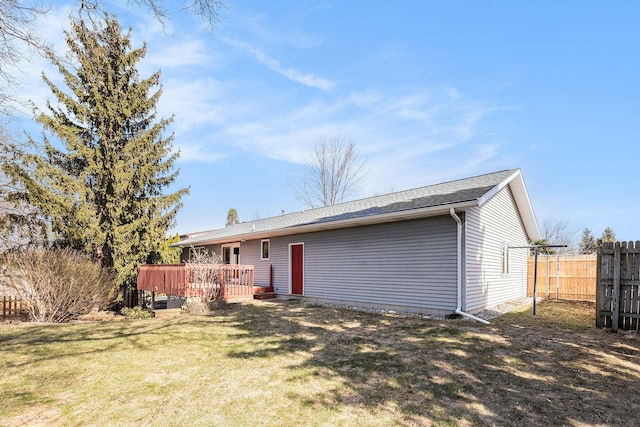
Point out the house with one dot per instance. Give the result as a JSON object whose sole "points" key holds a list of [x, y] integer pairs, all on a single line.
{"points": [[437, 249]]}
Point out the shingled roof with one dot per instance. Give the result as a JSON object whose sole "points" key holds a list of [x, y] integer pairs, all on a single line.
{"points": [[420, 202]]}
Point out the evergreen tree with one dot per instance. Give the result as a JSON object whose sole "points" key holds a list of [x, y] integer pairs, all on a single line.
{"points": [[168, 254], [543, 251], [607, 236], [587, 243], [102, 187], [232, 217]]}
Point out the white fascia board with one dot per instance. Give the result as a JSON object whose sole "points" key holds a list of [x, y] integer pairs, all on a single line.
{"points": [[523, 202], [495, 190], [332, 225]]}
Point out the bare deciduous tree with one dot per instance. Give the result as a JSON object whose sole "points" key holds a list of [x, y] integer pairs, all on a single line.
{"points": [[558, 232], [208, 10], [18, 40], [332, 174], [255, 215], [20, 223], [19, 37]]}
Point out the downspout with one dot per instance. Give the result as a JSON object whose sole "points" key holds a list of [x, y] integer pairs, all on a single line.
{"points": [[459, 302]]}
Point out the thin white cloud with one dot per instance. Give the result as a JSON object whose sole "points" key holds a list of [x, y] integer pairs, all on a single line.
{"points": [[197, 153], [181, 52], [307, 79], [194, 103], [283, 30], [402, 152], [285, 130]]}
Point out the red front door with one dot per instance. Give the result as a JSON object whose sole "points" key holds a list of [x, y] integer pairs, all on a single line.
{"points": [[297, 269]]}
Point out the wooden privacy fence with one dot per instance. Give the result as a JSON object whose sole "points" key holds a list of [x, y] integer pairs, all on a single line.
{"points": [[133, 297], [229, 281], [566, 277], [618, 285], [12, 306]]}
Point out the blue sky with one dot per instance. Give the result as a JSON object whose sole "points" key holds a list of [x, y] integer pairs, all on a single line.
{"points": [[429, 91]]}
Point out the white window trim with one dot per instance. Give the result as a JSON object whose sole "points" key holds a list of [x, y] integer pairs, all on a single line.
{"points": [[268, 249], [231, 246]]}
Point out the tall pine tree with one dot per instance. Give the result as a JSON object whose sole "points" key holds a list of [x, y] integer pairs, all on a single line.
{"points": [[588, 243], [102, 188]]}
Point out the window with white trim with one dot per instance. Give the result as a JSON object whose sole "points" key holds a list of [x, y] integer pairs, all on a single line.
{"points": [[505, 258], [265, 249]]}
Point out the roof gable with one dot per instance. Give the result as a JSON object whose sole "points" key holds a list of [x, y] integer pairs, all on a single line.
{"points": [[415, 203]]}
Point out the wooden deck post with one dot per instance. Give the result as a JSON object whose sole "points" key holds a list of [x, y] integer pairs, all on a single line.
{"points": [[223, 287]]}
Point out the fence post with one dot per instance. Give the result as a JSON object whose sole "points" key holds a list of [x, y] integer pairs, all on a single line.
{"points": [[547, 278], [635, 275], [615, 297], [599, 321], [535, 277], [557, 276]]}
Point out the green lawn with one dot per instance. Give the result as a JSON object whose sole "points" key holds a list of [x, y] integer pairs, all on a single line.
{"points": [[296, 364]]}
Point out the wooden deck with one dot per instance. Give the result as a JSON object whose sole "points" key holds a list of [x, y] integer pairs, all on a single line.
{"points": [[234, 282]]}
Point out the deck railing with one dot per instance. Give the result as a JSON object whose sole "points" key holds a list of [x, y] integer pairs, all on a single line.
{"points": [[230, 282]]}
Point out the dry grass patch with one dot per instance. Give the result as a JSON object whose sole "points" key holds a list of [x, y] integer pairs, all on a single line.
{"points": [[295, 364]]}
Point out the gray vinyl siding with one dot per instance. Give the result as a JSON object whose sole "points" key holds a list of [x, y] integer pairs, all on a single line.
{"points": [[486, 228], [400, 264], [250, 254]]}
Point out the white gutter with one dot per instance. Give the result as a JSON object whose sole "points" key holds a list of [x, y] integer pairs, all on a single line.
{"points": [[459, 311]]}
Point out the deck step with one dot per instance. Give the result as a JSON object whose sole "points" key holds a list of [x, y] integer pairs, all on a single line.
{"points": [[264, 295]]}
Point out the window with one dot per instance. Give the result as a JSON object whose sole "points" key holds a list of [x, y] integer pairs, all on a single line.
{"points": [[505, 258], [265, 246]]}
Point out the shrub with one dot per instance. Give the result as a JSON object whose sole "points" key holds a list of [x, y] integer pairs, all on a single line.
{"points": [[136, 312], [59, 285], [202, 268]]}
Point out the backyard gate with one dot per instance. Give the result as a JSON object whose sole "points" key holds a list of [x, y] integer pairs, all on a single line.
{"points": [[618, 285]]}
